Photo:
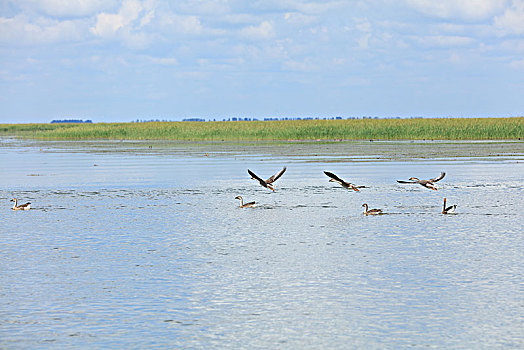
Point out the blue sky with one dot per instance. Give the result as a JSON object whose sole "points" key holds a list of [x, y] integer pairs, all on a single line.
{"points": [[122, 60]]}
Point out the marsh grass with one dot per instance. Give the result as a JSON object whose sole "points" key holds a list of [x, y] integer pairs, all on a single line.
{"points": [[354, 129]]}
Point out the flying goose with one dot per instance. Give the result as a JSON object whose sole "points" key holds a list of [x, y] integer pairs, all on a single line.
{"points": [[247, 205], [371, 211], [25, 206], [345, 184], [269, 182], [426, 183], [448, 210]]}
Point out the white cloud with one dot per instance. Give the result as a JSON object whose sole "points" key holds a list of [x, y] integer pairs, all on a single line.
{"points": [[299, 19], [363, 42], [69, 8], [363, 25], [455, 58], [363, 33], [203, 7], [305, 7], [314, 8], [108, 24], [512, 21], [518, 64], [131, 24], [471, 10], [513, 45], [445, 41], [136, 40], [19, 30], [182, 24], [263, 31], [300, 66], [319, 30], [148, 17], [240, 18]]}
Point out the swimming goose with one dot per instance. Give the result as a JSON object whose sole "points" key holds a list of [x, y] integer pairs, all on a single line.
{"points": [[448, 210], [269, 182], [371, 211], [345, 184], [426, 183], [25, 206], [247, 205]]}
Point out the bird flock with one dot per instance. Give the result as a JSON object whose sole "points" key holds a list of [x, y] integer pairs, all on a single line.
{"points": [[269, 183], [430, 184]]}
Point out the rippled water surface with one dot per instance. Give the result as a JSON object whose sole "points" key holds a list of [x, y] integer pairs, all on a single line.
{"points": [[142, 245]]}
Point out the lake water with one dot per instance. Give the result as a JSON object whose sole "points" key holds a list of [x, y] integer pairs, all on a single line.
{"points": [[142, 245]]}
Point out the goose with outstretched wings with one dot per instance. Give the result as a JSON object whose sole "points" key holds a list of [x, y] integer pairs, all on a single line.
{"points": [[345, 184], [426, 183], [269, 182]]}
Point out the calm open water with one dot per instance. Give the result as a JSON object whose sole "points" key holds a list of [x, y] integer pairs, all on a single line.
{"points": [[142, 245]]}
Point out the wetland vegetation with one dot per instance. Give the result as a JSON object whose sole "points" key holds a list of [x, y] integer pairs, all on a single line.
{"points": [[345, 129]]}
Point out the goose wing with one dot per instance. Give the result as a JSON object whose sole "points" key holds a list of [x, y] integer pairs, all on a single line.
{"points": [[276, 176], [254, 176], [334, 177], [406, 182], [24, 205], [438, 178]]}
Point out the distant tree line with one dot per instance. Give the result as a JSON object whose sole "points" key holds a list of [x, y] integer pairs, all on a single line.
{"points": [[70, 121], [239, 119], [231, 119]]}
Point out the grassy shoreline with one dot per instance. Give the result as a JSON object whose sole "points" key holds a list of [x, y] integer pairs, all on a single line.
{"points": [[352, 129]]}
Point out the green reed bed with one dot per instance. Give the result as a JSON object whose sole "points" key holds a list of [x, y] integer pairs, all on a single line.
{"points": [[354, 129]]}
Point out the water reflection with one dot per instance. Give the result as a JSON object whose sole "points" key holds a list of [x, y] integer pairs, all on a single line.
{"points": [[150, 249]]}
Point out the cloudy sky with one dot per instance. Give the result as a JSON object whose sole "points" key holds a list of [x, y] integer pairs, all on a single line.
{"points": [[122, 60]]}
